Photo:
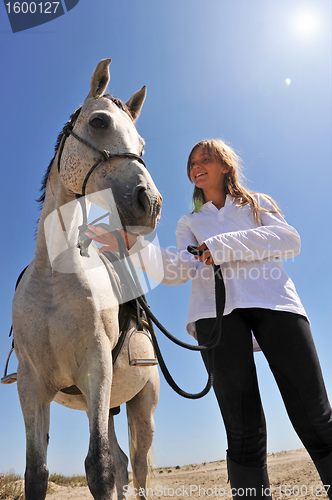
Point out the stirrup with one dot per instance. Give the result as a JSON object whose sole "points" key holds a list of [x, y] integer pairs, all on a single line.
{"points": [[12, 377], [134, 357]]}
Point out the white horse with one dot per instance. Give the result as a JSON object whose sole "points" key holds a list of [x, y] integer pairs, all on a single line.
{"points": [[65, 313]]}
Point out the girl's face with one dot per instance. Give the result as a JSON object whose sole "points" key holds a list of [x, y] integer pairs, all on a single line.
{"points": [[206, 171]]}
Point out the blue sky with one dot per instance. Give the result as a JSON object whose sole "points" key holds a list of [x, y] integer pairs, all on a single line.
{"points": [[257, 74]]}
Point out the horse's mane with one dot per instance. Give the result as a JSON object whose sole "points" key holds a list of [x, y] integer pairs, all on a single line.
{"points": [[72, 121]]}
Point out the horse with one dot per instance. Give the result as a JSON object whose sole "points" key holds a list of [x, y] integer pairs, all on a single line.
{"points": [[65, 309]]}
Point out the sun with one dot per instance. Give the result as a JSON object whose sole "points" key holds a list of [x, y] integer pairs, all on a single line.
{"points": [[306, 24]]}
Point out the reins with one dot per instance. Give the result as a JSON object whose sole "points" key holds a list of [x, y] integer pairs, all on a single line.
{"points": [[216, 332], [132, 278]]}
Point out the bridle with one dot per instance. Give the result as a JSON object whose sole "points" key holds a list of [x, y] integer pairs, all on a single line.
{"points": [[104, 155]]}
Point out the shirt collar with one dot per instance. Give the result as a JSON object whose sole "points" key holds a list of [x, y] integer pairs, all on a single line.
{"points": [[210, 206]]}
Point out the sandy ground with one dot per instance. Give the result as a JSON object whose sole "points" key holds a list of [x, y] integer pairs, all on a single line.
{"points": [[292, 476]]}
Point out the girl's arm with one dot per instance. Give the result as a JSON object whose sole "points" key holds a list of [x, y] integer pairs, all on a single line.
{"points": [[273, 239], [168, 266]]}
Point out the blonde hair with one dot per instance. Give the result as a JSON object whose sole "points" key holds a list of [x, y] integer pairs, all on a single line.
{"points": [[232, 179]]}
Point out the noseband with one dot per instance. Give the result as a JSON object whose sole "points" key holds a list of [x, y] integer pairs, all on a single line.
{"points": [[104, 155]]}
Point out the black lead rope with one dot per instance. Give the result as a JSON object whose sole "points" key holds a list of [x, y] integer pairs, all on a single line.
{"points": [[215, 334]]}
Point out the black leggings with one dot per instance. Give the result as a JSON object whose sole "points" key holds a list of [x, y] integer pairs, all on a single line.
{"points": [[286, 341]]}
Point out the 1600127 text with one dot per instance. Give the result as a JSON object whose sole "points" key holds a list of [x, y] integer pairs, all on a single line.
{"points": [[32, 7]]}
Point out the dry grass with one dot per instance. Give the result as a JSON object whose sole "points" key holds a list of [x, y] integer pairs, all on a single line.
{"points": [[68, 481], [12, 485]]}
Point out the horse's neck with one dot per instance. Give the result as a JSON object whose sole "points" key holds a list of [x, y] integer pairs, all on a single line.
{"points": [[58, 265], [58, 227]]}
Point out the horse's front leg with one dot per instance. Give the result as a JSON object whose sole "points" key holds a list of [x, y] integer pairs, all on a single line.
{"points": [[35, 404], [99, 466]]}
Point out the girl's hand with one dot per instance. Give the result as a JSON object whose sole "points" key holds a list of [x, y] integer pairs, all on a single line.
{"points": [[111, 245], [206, 255]]}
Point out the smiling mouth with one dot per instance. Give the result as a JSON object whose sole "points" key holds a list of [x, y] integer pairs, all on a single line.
{"points": [[199, 175]]}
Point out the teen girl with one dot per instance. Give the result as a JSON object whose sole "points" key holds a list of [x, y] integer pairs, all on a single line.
{"points": [[247, 236]]}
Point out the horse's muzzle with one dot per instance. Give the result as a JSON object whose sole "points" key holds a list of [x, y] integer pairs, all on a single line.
{"points": [[146, 202]]}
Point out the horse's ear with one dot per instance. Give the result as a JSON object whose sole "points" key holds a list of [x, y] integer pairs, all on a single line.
{"points": [[100, 78], [136, 101]]}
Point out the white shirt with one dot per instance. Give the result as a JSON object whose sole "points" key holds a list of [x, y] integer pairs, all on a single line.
{"points": [[249, 256]]}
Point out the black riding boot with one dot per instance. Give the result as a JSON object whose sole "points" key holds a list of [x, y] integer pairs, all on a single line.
{"points": [[324, 467], [248, 482]]}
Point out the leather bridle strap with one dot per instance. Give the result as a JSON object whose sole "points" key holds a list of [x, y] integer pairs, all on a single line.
{"points": [[105, 155]]}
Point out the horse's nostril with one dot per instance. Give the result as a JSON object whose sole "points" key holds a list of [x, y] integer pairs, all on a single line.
{"points": [[140, 199]]}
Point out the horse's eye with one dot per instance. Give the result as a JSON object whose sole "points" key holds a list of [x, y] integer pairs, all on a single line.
{"points": [[97, 122]]}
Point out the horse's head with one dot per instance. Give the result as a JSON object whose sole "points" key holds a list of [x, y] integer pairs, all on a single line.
{"points": [[105, 124]]}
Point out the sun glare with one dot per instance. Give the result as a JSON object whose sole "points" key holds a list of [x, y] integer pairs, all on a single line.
{"points": [[306, 24]]}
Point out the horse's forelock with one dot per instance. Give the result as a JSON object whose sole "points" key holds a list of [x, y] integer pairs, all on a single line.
{"points": [[120, 104]]}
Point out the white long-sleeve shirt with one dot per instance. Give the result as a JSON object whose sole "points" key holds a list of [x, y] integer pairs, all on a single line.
{"points": [[248, 253]]}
